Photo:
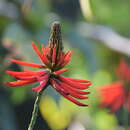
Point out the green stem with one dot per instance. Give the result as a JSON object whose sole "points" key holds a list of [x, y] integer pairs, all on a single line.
{"points": [[35, 112], [126, 117]]}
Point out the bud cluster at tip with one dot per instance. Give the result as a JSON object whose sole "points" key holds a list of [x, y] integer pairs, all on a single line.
{"points": [[55, 39]]}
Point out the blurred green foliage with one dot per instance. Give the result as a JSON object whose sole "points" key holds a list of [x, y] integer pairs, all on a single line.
{"points": [[114, 13]]}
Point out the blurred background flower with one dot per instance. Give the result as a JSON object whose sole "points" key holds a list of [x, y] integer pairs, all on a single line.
{"points": [[97, 31]]}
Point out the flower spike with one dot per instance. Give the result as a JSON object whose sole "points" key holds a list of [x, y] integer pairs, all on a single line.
{"points": [[53, 60]]}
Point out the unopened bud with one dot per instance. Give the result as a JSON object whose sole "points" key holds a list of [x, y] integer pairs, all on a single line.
{"points": [[55, 39]]}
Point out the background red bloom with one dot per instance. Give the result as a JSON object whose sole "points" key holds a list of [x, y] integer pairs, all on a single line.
{"points": [[117, 94]]}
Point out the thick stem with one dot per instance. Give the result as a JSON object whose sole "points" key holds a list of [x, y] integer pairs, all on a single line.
{"points": [[35, 112]]}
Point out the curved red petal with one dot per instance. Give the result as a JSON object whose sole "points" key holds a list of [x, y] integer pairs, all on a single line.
{"points": [[25, 77], [37, 50], [67, 59], [73, 100], [57, 87], [72, 93], [77, 91], [41, 55], [78, 80], [27, 73], [74, 84], [41, 86], [20, 83], [67, 96], [27, 64]]}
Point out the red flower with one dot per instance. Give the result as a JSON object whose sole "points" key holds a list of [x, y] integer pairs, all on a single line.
{"points": [[117, 94], [50, 74]]}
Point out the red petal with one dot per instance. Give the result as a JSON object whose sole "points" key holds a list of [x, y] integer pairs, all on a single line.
{"points": [[27, 64], [67, 53], [27, 73], [60, 58], [43, 48], [42, 56], [37, 50], [72, 93], [41, 86], [78, 80], [45, 60], [13, 73], [25, 77], [47, 51], [73, 100], [54, 56], [56, 86], [74, 84], [74, 89], [67, 58], [44, 77], [20, 83], [60, 71]]}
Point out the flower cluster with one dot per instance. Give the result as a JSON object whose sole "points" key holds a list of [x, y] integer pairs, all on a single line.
{"points": [[53, 60], [117, 94]]}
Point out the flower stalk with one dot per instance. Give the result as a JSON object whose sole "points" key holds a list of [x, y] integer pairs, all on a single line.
{"points": [[35, 111], [126, 117], [54, 40]]}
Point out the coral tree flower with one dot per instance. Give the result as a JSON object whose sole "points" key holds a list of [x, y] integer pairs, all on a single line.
{"points": [[53, 60], [117, 94]]}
